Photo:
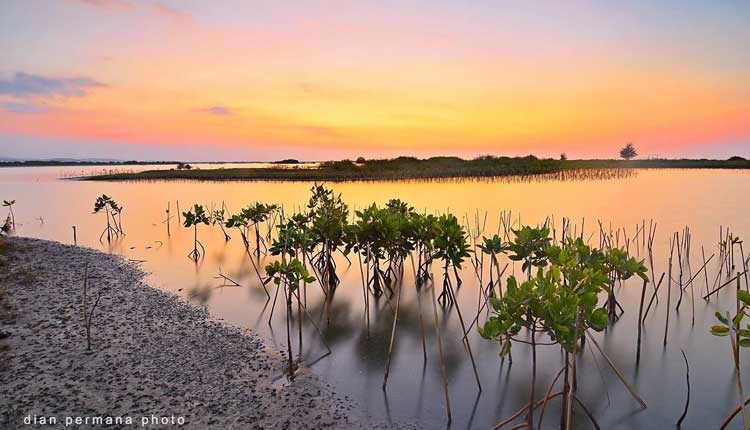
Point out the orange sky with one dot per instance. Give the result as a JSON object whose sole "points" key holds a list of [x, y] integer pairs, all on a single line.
{"points": [[257, 80]]}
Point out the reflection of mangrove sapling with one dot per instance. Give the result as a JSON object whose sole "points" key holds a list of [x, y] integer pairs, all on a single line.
{"points": [[112, 211], [197, 215], [288, 274], [9, 204], [739, 337], [451, 247]]}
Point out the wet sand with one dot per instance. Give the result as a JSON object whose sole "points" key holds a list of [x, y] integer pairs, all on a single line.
{"points": [[152, 355]]}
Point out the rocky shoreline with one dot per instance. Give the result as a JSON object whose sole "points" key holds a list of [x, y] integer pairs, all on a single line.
{"points": [[153, 356]]}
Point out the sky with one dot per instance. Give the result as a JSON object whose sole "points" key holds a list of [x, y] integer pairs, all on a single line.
{"points": [[316, 79]]}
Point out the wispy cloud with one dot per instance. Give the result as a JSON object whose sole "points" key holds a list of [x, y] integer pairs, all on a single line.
{"points": [[24, 108], [171, 12], [106, 3], [216, 110], [26, 86], [157, 7]]}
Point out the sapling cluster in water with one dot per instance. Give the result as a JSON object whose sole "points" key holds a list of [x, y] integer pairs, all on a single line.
{"points": [[218, 218], [566, 289], [561, 302]]}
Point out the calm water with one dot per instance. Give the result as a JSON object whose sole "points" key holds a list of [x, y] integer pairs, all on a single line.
{"points": [[700, 199]]}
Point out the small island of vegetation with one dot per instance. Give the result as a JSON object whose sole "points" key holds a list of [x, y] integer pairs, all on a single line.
{"points": [[415, 168]]}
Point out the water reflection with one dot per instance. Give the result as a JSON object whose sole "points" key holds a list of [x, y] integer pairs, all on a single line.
{"points": [[703, 200]]}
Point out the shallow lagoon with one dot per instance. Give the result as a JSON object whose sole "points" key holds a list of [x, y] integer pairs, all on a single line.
{"points": [[700, 199]]}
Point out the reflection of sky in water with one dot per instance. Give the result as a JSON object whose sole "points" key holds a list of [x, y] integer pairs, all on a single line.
{"points": [[701, 199]]}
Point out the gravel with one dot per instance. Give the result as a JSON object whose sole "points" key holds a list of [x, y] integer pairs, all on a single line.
{"points": [[153, 356]]}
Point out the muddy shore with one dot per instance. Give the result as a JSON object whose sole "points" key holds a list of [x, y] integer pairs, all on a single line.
{"points": [[153, 356]]}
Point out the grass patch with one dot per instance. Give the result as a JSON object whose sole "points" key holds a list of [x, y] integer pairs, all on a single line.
{"points": [[414, 168]]}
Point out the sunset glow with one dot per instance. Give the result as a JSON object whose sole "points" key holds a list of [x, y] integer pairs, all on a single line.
{"points": [[242, 80]]}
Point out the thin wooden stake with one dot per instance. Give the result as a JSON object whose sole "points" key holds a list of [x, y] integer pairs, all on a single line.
{"points": [[617, 372], [640, 321]]}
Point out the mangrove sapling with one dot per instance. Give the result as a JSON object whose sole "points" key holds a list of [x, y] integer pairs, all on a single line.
{"points": [[403, 242], [425, 231], [329, 218], [512, 313], [111, 209], [493, 246], [218, 218], [257, 214], [561, 303], [739, 336], [241, 221], [544, 304], [452, 249], [288, 274], [621, 267], [373, 232], [294, 240], [197, 215], [9, 204], [528, 246]]}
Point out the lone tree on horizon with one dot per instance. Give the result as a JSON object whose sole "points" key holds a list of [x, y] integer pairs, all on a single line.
{"points": [[628, 152]]}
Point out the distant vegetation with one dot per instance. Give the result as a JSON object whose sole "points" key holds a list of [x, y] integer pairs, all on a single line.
{"points": [[414, 168]]}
